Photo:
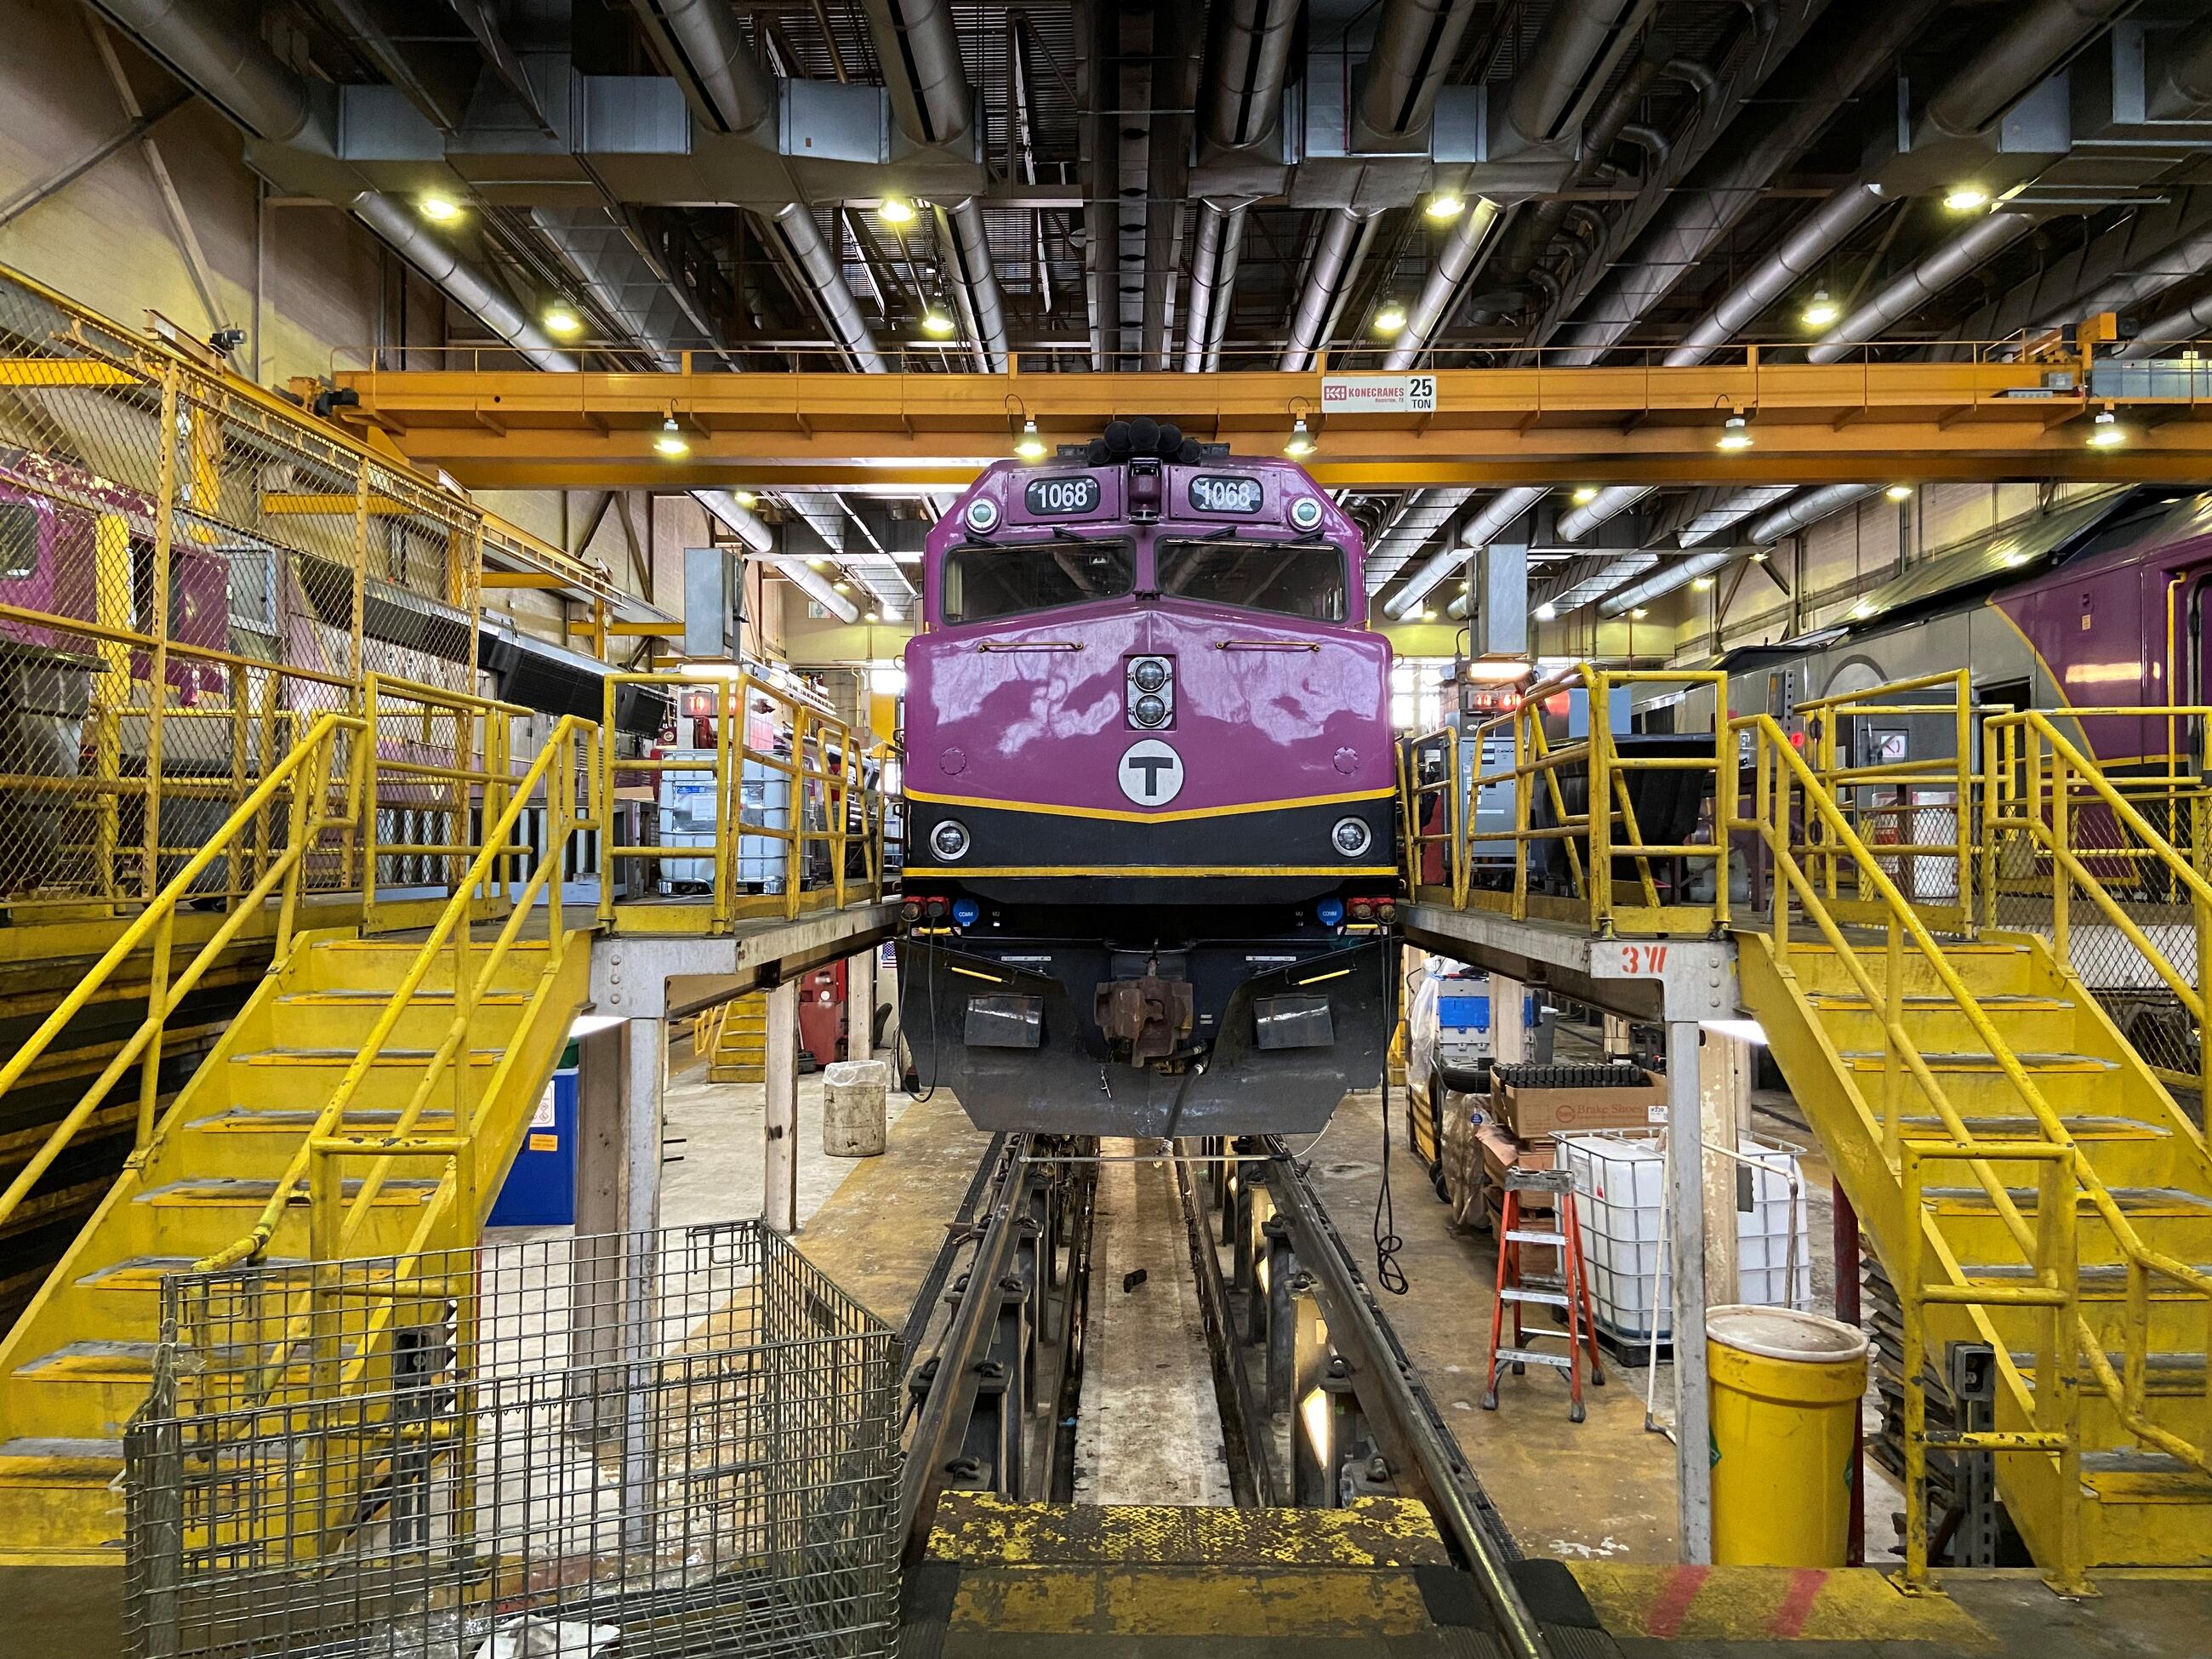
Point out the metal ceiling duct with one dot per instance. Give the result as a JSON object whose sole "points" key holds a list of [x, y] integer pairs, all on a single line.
{"points": [[1661, 583], [716, 60], [1802, 250], [1215, 245], [2034, 41], [1597, 584], [830, 519], [1574, 36], [1813, 505], [223, 59], [1425, 513], [1337, 252], [749, 528], [467, 286], [1455, 260], [1578, 521], [1731, 510], [967, 246], [920, 50], [2177, 327], [801, 239], [2189, 257], [1500, 511], [623, 284], [2187, 83], [1414, 45], [1906, 293], [1247, 63]]}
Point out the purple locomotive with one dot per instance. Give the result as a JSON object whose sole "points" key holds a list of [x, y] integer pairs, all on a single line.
{"points": [[1150, 845]]}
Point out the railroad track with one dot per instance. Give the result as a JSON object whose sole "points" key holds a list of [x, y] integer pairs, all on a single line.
{"points": [[1001, 1337]]}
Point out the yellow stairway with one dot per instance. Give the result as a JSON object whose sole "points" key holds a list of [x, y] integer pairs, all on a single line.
{"points": [[739, 1040], [79, 1361], [2137, 1503]]}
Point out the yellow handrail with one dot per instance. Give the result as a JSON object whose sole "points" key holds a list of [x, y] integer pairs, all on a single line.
{"points": [[323, 1143], [312, 755]]}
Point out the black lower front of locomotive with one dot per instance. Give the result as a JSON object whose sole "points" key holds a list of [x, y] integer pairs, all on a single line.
{"points": [[1025, 1031]]}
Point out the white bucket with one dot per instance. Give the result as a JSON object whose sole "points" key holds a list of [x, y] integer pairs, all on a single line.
{"points": [[854, 1096]]}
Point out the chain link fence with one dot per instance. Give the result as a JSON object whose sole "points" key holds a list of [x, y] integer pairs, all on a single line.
{"points": [[675, 1443], [191, 571]]}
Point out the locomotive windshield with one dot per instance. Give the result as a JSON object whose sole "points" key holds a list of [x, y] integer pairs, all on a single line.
{"points": [[982, 583], [1292, 578]]}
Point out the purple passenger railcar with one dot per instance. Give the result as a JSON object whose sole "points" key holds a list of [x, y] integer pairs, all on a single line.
{"points": [[1151, 855]]}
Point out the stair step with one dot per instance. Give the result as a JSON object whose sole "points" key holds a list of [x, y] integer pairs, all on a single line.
{"points": [[416, 1058], [227, 1192], [2163, 1373], [2132, 1200], [1535, 1356], [2100, 1281], [1541, 1298], [293, 1120], [1916, 1002], [47, 1461], [1864, 1060], [146, 1272], [2027, 1128], [2133, 1476], [382, 999], [94, 1361]]}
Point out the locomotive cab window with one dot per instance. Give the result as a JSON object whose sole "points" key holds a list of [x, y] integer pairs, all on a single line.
{"points": [[19, 540], [983, 583], [1290, 579]]}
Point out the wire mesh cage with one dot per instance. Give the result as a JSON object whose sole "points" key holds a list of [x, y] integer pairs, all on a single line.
{"points": [[671, 1443]]}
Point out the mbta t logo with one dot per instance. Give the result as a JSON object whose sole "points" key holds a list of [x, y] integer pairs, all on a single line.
{"points": [[1151, 772]]}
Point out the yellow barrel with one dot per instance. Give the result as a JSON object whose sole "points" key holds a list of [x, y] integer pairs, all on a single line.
{"points": [[1785, 1389]]}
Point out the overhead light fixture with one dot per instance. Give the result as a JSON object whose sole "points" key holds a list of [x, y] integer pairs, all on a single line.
{"points": [[669, 439], [561, 320], [1760, 557], [1444, 205], [1821, 312], [840, 587], [1735, 435], [1966, 198], [1030, 445], [744, 498], [1898, 492], [2106, 432], [1584, 495], [1300, 444], [438, 210], [1428, 615], [1547, 611], [1701, 584], [817, 564], [895, 210], [1639, 614], [875, 615], [936, 324], [1389, 318]]}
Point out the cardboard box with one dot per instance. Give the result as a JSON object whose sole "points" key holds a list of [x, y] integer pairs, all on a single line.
{"points": [[1531, 1112]]}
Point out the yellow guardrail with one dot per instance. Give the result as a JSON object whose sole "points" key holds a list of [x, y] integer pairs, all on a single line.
{"points": [[564, 770], [812, 795], [1587, 793], [321, 767]]}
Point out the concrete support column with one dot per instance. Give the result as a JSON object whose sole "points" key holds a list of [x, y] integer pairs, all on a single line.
{"points": [[597, 1276], [780, 1077], [1724, 1073], [1685, 1176], [860, 1004], [1509, 1037]]}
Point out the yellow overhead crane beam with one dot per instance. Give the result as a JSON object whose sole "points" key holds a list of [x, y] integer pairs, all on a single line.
{"points": [[1850, 422]]}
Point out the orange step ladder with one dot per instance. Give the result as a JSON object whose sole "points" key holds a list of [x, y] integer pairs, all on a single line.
{"points": [[1569, 1293]]}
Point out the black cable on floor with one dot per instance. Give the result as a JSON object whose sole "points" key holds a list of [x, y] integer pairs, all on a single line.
{"points": [[929, 986], [1388, 1273]]}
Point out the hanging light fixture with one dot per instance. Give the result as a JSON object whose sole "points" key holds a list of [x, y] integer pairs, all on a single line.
{"points": [[1389, 318], [1030, 445], [936, 323], [1444, 205], [895, 210], [563, 321], [1821, 312], [1300, 444], [438, 210], [1898, 492], [1735, 435], [669, 439], [2106, 432], [1583, 495], [1965, 198]]}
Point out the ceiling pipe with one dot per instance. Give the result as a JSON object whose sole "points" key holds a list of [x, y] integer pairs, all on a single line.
{"points": [[1574, 36], [1414, 45], [1247, 64], [2037, 37], [1425, 513], [2187, 83], [920, 50], [1732, 511], [223, 60], [1215, 245], [1501, 510], [737, 95], [1813, 505], [1908, 290], [1455, 262], [1808, 243], [1578, 522], [827, 517], [2177, 327], [800, 238], [1573, 598], [968, 244], [2187, 259], [749, 528], [1337, 252], [1665, 582], [467, 286]]}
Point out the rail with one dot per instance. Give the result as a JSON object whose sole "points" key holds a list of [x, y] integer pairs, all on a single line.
{"points": [[1574, 851], [1788, 792], [785, 826], [322, 765], [563, 769]]}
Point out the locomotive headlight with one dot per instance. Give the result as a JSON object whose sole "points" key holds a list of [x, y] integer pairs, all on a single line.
{"points": [[1305, 513], [982, 515], [1351, 837], [1150, 674], [1150, 710], [949, 840]]}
